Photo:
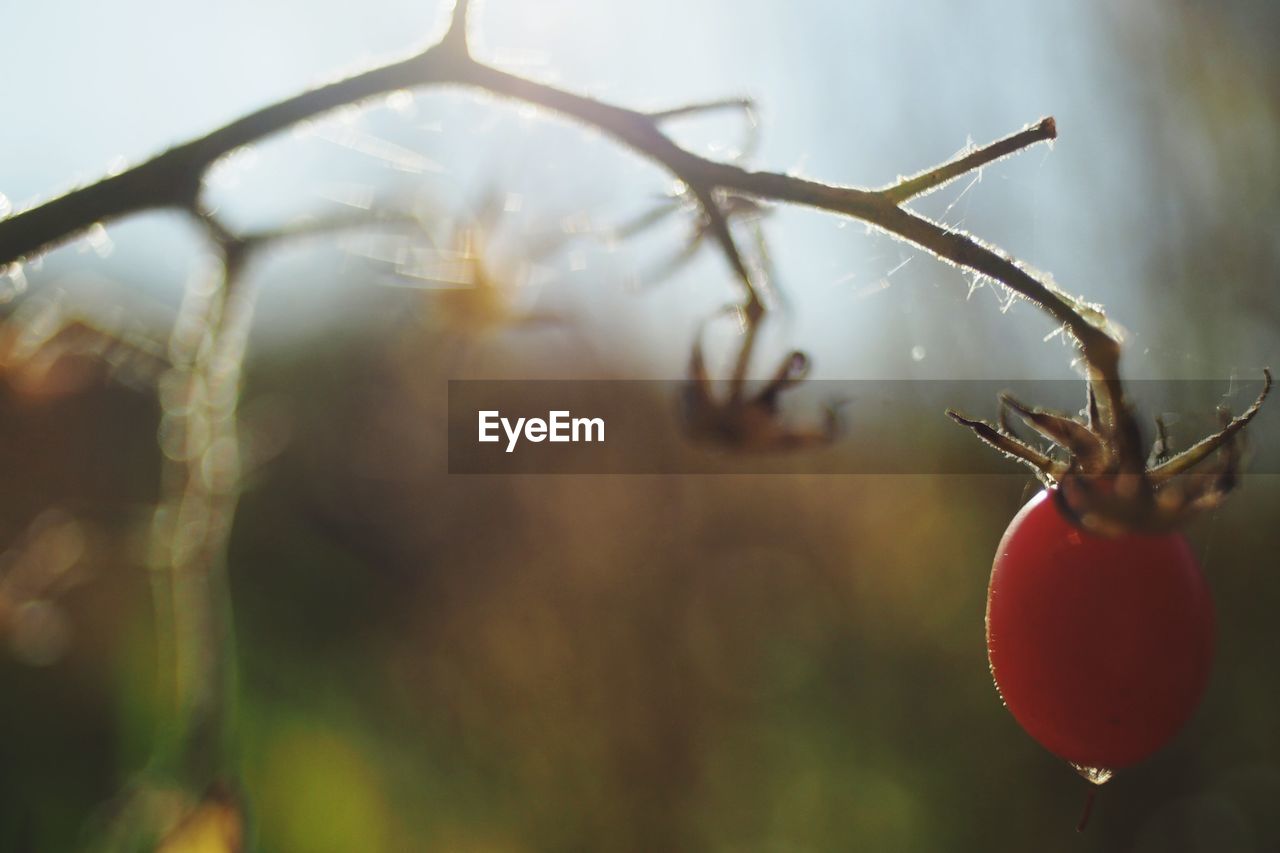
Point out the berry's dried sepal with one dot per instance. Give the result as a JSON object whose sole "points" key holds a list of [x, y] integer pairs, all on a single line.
{"points": [[1201, 450], [1103, 482], [1003, 440], [1079, 439]]}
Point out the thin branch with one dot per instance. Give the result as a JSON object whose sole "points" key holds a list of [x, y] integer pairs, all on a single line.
{"points": [[338, 223], [642, 223], [457, 36], [745, 105], [931, 179], [718, 225], [638, 132], [173, 179]]}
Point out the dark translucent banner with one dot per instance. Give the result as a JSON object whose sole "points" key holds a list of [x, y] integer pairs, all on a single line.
{"points": [[818, 427]]}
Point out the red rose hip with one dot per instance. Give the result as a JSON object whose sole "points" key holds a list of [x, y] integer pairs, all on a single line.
{"points": [[1100, 647]]}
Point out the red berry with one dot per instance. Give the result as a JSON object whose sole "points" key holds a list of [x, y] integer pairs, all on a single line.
{"points": [[1100, 647]]}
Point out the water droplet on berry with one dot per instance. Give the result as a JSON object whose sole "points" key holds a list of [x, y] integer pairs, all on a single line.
{"points": [[1096, 775]]}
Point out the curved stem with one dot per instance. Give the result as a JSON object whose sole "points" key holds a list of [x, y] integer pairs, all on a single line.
{"points": [[173, 178]]}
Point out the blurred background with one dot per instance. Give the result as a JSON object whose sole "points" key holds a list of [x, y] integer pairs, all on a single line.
{"points": [[768, 663]]}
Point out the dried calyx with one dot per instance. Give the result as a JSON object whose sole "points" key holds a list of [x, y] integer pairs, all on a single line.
{"points": [[749, 421], [1103, 479]]}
